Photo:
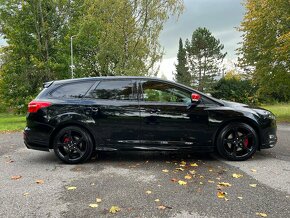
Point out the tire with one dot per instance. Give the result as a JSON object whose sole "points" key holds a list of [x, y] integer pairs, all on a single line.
{"points": [[73, 145], [237, 142]]}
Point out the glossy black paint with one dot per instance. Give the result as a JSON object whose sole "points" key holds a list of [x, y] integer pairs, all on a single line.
{"points": [[136, 124]]}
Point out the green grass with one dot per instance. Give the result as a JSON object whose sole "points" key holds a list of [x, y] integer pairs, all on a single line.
{"points": [[11, 122], [281, 111]]}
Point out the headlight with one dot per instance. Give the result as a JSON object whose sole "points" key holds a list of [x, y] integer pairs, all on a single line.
{"points": [[265, 114]]}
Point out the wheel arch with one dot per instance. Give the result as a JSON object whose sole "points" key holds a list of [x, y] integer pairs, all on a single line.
{"points": [[63, 125], [248, 121]]}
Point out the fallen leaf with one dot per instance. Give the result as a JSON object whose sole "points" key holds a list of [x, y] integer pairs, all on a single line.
{"points": [[188, 176], [192, 171], [114, 209], [25, 194], [183, 163], [201, 176], [71, 188], [157, 200], [201, 183], [165, 171], [210, 170], [98, 200], [174, 180], [221, 194], [226, 184], [39, 181], [262, 214], [180, 169], [10, 161], [241, 198], [93, 205], [235, 175], [253, 170], [210, 181], [226, 199], [253, 185], [180, 182], [16, 177], [148, 192], [161, 207], [194, 165]]}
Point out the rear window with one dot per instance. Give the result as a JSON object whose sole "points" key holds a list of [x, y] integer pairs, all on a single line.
{"points": [[72, 90], [115, 90]]}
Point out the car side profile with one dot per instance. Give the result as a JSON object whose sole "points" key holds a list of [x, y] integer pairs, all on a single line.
{"points": [[78, 117]]}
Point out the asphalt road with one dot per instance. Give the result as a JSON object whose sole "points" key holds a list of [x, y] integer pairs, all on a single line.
{"points": [[122, 179]]}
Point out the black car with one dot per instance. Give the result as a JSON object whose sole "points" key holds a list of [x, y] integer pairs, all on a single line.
{"points": [[78, 117]]}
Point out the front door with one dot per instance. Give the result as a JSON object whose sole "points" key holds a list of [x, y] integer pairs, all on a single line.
{"points": [[168, 119]]}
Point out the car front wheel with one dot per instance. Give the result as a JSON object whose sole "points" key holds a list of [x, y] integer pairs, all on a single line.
{"points": [[237, 141], [73, 145]]}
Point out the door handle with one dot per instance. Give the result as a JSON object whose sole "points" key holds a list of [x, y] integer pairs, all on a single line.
{"points": [[154, 111]]}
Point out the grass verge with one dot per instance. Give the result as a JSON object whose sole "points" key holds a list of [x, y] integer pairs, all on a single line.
{"points": [[281, 111], [11, 122]]}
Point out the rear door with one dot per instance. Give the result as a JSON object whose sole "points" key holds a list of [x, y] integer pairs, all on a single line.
{"points": [[115, 109]]}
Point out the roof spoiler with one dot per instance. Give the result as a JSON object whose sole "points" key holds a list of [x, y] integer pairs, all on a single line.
{"points": [[47, 84]]}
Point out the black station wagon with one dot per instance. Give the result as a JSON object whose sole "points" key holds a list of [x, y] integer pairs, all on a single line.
{"points": [[78, 117]]}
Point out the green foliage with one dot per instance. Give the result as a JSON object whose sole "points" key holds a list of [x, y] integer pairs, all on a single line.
{"points": [[182, 73], [110, 38], [204, 53], [237, 90], [266, 46]]}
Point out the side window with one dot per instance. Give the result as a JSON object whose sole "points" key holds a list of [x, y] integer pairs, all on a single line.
{"points": [[72, 90], [115, 90], [164, 92]]}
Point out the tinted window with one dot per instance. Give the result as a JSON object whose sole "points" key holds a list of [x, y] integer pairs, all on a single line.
{"points": [[164, 92], [72, 90], [114, 90]]}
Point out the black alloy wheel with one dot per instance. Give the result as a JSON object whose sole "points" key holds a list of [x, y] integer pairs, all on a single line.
{"points": [[73, 145], [237, 141]]}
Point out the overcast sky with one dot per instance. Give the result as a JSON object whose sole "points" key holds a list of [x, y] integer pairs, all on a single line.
{"points": [[219, 16]]}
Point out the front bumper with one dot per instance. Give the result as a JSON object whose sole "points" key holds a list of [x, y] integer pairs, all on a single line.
{"points": [[269, 136]]}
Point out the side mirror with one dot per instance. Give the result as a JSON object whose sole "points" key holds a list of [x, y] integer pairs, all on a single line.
{"points": [[195, 98]]}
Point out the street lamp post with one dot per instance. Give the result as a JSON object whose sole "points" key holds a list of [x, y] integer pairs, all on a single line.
{"points": [[71, 57]]}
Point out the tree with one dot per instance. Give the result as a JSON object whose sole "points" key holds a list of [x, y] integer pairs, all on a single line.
{"points": [[266, 46], [182, 73], [110, 38], [204, 53], [121, 37]]}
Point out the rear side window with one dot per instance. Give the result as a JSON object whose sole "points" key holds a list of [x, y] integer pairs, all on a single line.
{"points": [[72, 90], [115, 90]]}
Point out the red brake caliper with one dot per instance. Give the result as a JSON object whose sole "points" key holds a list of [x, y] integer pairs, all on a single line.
{"points": [[246, 142], [66, 140]]}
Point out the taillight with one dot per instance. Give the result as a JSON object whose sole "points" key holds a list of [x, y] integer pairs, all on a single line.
{"points": [[34, 106]]}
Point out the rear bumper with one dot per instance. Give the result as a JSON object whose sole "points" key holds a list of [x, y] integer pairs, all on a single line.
{"points": [[33, 142]]}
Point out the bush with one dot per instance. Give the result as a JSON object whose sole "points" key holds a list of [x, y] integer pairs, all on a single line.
{"points": [[235, 89]]}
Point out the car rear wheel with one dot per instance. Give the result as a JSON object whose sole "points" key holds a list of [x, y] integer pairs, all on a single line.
{"points": [[237, 141], [73, 145]]}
